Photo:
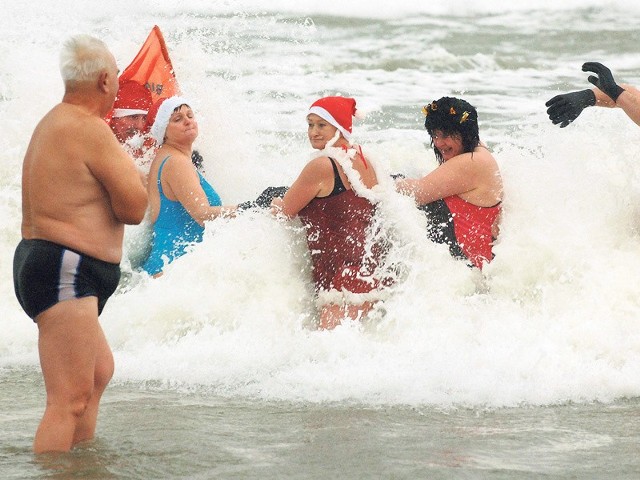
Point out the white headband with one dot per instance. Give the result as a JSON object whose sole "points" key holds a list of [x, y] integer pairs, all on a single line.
{"points": [[323, 113], [127, 112], [159, 127]]}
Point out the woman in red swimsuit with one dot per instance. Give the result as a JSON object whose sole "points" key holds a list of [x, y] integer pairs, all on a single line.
{"points": [[462, 196], [328, 198]]}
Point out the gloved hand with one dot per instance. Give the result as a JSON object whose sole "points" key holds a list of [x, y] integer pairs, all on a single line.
{"points": [[246, 205], [264, 199], [196, 159], [564, 109], [604, 81]]}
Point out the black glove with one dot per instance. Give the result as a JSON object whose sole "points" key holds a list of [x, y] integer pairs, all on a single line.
{"points": [[604, 81], [265, 198], [246, 205], [564, 109], [196, 159]]}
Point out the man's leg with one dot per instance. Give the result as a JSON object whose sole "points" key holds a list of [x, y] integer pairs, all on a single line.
{"points": [[69, 336], [103, 372]]}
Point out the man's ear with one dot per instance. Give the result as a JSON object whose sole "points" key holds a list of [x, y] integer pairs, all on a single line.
{"points": [[103, 81]]}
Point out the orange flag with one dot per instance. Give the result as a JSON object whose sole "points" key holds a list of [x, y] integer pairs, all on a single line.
{"points": [[152, 68]]}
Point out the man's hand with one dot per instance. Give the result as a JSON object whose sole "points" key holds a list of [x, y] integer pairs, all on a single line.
{"points": [[564, 109], [604, 80]]}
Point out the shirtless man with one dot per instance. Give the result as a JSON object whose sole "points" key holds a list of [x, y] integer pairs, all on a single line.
{"points": [[565, 108], [79, 188]]}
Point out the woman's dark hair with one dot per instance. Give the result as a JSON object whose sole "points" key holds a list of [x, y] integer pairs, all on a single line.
{"points": [[452, 116]]}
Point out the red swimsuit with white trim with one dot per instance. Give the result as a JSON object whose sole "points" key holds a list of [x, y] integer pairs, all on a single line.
{"points": [[337, 227]]}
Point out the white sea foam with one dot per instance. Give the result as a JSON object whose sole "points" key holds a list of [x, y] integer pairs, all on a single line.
{"points": [[553, 318]]}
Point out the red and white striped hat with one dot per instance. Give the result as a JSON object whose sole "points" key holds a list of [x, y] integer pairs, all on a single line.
{"points": [[338, 111], [132, 99], [159, 115]]}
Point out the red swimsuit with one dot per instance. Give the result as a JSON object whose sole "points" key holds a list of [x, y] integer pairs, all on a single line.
{"points": [[337, 227], [465, 227]]}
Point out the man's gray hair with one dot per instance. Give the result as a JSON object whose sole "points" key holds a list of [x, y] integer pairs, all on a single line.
{"points": [[82, 58]]}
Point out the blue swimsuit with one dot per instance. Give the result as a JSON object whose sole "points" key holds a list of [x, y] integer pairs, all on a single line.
{"points": [[175, 229]]}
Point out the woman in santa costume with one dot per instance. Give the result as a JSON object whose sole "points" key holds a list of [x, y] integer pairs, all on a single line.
{"points": [[330, 198]]}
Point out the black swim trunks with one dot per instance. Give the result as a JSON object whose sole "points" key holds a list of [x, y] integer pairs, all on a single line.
{"points": [[45, 273]]}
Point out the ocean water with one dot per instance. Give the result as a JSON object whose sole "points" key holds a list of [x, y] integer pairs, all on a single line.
{"points": [[528, 370]]}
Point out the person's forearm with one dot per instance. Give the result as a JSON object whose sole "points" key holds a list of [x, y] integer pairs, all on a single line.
{"points": [[208, 213], [222, 211], [602, 99], [629, 101], [421, 191], [407, 186]]}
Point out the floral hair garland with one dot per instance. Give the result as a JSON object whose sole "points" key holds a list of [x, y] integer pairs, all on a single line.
{"points": [[433, 106]]}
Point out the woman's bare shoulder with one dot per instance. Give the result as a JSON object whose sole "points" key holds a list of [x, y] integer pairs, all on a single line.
{"points": [[318, 166]]}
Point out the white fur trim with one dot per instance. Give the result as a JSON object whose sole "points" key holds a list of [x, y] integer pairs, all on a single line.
{"points": [[360, 114], [127, 112], [323, 113], [159, 127], [344, 159], [341, 297]]}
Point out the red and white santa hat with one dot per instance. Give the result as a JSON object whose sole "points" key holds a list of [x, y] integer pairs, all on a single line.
{"points": [[159, 115], [338, 111], [132, 99]]}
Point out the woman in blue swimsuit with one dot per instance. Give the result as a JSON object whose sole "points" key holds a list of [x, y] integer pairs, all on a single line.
{"points": [[180, 198]]}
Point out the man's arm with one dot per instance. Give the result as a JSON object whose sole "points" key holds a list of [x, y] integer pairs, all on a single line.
{"points": [[625, 97], [565, 108], [602, 99], [117, 173], [629, 101]]}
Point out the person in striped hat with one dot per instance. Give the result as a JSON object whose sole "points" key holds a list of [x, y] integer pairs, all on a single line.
{"points": [[181, 200], [130, 110]]}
